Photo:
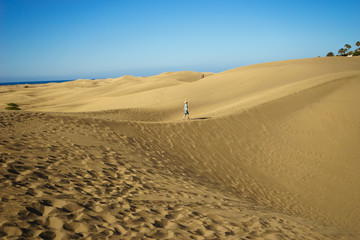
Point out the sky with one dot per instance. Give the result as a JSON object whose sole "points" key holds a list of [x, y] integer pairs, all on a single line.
{"points": [[71, 39]]}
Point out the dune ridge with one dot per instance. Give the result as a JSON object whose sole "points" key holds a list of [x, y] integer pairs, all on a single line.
{"points": [[271, 153]]}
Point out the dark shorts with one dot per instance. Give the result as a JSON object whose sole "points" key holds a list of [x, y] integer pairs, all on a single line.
{"points": [[186, 112]]}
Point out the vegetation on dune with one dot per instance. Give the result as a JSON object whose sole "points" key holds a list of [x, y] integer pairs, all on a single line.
{"points": [[12, 106], [346, 51]]}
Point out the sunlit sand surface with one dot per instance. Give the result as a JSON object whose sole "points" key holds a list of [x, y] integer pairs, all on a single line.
{"points": [[271, 152]]}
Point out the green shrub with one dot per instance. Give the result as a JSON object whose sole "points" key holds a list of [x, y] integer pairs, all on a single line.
{"points": [[330, 54], [13, 106]]}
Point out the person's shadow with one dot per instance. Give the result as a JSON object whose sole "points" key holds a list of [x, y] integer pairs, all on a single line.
{"points": [[200, 118]]}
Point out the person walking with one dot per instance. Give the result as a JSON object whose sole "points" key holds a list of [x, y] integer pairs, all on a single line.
{"points": [[186, 109]]}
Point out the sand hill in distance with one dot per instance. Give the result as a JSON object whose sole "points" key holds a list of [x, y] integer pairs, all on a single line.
{"points": [[271, 152]]}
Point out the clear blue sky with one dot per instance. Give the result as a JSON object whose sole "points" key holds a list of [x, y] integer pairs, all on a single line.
{"points": [[69, 39]]}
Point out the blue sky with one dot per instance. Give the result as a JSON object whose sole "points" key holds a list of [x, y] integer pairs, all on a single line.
{"points": [[69, 39]]}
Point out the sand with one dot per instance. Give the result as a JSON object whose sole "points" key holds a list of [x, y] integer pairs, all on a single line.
{"points": [[271, 152]]}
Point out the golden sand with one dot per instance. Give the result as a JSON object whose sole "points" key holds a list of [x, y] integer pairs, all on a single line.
{"points": [[271, 152]]}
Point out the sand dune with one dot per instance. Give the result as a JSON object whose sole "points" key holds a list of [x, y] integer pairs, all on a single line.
{"points": [[271, 153]]}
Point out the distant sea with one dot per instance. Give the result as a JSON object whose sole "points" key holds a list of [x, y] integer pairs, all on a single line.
{"points": [[34, 82]]}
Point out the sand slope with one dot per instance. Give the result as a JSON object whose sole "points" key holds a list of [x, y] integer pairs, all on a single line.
{"points": [[272, 153]]}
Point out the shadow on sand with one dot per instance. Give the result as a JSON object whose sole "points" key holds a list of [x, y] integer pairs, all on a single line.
{"points": [[200, 118]]}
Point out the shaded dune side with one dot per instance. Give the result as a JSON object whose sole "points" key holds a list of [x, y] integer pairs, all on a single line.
{"points": [[297, 154]]}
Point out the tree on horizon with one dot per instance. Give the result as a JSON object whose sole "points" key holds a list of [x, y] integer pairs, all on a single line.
{"points": [[347, 48], [341, 51], [357, 51], [345, 51]]}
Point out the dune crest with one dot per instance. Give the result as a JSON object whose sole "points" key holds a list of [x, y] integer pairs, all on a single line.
{"points": [[218, 94]]}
